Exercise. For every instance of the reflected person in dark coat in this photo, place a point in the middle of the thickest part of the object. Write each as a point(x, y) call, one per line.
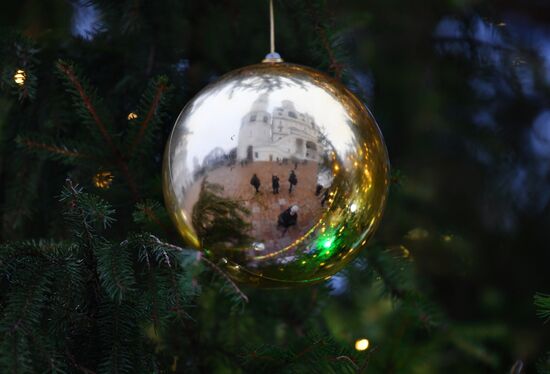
point(288, 218)
point(293, 180)
point(255, 181)
point(275, 184)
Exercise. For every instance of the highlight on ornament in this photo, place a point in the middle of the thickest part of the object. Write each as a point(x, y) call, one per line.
point(103, 179)
point(19, 77)
point(362, 344)
point(278, 172)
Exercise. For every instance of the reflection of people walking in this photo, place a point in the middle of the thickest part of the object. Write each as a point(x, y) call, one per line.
point(288, 218)
point(275, 184)
point(293, 180)
point(255, 181)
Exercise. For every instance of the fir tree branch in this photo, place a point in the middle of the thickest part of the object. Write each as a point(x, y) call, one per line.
point(76, 365)
point(87, 101)
point(74, 193)
point(30, 302)
point(61, 151)
point(160, 89)
point(542, 302)
point(151, 216)
point(320, 355)
point(70, 74)
point(212, 265)
point(224, 275)
point(334, 65)
point(350, 360)
point(399, 285)
point(85, 210)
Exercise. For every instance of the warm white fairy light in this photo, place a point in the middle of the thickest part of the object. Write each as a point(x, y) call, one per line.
point(362, 344)
point(19, 77)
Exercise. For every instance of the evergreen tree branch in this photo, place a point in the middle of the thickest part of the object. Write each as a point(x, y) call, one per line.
point(86, 210)
point(115, 271)
point(69, 72)
point(87, 214)
point(334, 65)
point(542, 302)
point(212, 265)
point(320, 355)
point(146, 212)
point(350, 360)
point(159, 92)
point(54, 149)
point(77, 365)
point(400, 285)
point(225, 276)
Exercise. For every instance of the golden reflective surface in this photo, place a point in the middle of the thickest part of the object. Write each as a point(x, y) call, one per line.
point(278, 173)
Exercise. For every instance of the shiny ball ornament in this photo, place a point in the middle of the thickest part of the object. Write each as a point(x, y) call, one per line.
point(278, 173)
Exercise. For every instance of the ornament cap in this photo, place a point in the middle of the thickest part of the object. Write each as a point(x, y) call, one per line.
point(273, 57)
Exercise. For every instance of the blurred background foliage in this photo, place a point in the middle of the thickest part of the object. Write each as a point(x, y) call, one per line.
point(461, 90)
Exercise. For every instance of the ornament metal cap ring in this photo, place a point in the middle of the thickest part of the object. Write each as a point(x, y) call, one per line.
point(272, 57)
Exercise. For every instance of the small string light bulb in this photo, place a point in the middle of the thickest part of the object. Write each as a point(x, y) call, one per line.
point(19, 77)
point(362, 344)
point(103, 179)
point(132, 116)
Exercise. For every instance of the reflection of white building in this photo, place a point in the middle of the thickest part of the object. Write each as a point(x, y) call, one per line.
point(285, 133)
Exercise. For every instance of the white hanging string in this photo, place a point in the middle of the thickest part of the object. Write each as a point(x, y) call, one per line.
point(272, 56)
point(272, 26)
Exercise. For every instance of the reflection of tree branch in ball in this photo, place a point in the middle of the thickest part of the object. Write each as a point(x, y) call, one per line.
point(220, 220)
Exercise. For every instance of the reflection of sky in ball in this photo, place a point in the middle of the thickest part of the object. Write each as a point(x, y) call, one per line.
point(217, 118)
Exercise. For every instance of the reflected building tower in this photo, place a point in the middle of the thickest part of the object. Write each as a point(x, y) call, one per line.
point(255, 131)
point(285, 134)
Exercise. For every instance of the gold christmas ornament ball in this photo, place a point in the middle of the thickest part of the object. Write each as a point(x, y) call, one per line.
point(278, 173)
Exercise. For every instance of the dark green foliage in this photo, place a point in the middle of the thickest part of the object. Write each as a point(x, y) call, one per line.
point(316, 354)
point(54, 149)
point(542, 302)
point(144, 131)
point(61, 300)
point(18, 57)
point(543, 366)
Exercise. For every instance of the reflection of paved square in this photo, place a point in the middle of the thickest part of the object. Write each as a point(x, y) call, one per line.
point(266, 206)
